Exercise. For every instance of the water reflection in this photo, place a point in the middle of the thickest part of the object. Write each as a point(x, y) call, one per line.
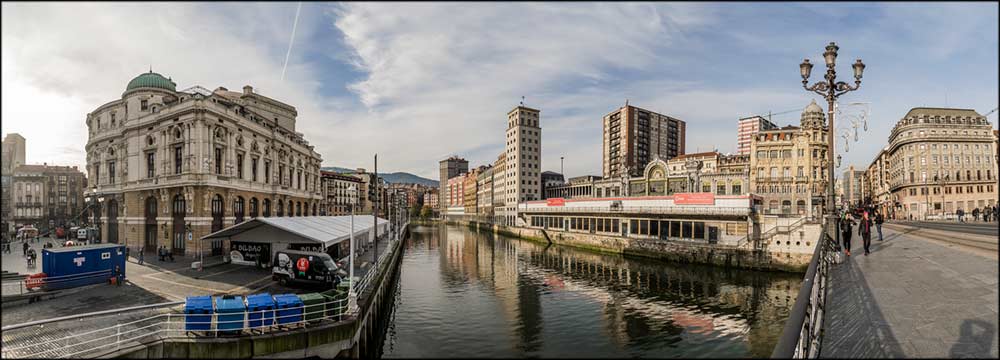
point(468, 294)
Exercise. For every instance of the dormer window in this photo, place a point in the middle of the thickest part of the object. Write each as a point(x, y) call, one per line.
point(112, 119)
point(144, 105)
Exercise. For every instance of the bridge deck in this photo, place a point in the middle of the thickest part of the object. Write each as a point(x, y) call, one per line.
point(913, 296)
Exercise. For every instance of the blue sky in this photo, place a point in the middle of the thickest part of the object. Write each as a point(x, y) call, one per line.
point(417, 82)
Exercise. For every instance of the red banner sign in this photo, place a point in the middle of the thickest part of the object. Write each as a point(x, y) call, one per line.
point(702, 198)
point(555, 202)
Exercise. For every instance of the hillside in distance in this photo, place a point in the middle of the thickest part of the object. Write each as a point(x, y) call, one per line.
point(394, 177)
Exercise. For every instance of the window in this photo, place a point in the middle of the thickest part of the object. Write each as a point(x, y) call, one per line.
point(144, 105)
point(177, 159)
point(253, 169)
point(150, 165)
point(267, 172)
point(111, 172)
point(218, 161)
point(239, 166)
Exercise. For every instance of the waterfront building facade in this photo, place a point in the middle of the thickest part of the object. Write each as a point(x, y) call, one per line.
point(788, 166)
point(449, 168)
point(746, 129)
point(523, 151)
point(431, 199)
point(484, 192)
point(470, 190)
point(173, 166)
point(338, 196)
point(634, 136)
point(500, 188)
point(941, 160)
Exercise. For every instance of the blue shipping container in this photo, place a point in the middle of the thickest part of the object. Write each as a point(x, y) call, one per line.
point(199, 313)
point(260, 310)
point(64, 267)
point(229, 312)
point(289, 308)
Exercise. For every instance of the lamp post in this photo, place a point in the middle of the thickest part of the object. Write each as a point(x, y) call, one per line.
point(830, 89)
point(351, 296)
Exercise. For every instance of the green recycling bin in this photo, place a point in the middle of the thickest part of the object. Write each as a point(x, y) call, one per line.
point(314, 306)
point(336, 303)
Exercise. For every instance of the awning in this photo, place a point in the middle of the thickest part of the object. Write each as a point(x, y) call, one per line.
point(326, 230)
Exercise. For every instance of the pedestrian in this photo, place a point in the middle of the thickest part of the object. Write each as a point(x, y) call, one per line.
point(865, 230)
point(960, 213)
point(975, 214)
point(118, 276)
point(845, 232)
point(25, 248)
point(878, 224)
point(141, 257)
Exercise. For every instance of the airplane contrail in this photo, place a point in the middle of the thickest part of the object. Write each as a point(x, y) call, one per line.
point(291, 40)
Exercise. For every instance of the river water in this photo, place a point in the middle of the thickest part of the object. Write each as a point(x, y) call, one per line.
point(463, 293)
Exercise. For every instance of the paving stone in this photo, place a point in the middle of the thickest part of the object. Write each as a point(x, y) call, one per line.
point(912, 298)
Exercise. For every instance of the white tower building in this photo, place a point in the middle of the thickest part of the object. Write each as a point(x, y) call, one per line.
point(524, 150)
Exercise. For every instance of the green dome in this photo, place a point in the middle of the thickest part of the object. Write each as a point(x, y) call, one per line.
point(151, 79)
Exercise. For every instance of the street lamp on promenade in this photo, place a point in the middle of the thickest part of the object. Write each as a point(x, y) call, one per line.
point(831, 89)
point(351, 295)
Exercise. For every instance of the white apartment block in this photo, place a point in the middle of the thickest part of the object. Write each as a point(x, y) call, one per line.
point(523, 152)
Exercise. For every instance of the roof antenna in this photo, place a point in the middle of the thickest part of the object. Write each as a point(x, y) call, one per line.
point(626, 102)
point(150, 68)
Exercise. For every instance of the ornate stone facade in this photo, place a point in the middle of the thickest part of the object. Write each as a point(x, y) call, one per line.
point(939, 160)
point(788, 166)
point(177, 165)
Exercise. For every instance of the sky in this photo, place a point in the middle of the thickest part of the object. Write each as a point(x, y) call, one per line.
point(418, 82)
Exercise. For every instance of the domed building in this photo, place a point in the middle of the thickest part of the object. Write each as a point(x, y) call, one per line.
point(171, 166)
point(788, 166)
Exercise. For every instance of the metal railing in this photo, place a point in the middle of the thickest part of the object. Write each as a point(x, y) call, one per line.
point(803, 331)
point(103, 341)
point(682, 210)
point(25, 286)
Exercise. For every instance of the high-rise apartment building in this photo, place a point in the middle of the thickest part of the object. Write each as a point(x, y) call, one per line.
point(450, 167)
point(523, 152)
point(634, 136)
point(747, 128)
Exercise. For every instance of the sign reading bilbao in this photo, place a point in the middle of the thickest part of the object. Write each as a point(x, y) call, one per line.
point(555, 202)
point(701, 198)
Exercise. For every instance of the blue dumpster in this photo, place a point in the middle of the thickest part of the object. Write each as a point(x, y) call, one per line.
point(260, 310)
point(289, 308)
point(199, 313)
point(229, 312)
point(74, 266)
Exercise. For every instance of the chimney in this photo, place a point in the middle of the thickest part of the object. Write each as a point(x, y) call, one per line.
point(247, 90)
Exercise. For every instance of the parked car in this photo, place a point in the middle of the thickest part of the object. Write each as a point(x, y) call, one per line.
point(305, 267)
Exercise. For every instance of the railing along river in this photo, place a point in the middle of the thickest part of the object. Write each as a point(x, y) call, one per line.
point(803, 331)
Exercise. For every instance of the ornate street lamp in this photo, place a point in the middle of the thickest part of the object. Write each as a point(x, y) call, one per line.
point(831, 89)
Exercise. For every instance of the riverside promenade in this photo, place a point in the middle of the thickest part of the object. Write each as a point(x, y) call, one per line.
point(922, 292)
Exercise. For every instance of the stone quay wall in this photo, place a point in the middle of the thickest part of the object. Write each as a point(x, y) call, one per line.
point(673, 251)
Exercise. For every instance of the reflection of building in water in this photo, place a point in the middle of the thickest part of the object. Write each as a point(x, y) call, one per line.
point(642, 300)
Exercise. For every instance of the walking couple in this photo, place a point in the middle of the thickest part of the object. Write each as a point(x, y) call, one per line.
point(864, 229)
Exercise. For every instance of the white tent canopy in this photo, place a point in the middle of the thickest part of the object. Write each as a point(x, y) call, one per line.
point(324, 230)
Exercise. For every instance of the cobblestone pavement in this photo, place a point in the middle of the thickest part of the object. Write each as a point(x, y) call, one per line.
point(911, 297)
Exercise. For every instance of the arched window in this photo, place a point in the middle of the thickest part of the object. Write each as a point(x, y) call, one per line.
point(253, 208)
point(267, 207)
point(772, 207)
point(218, 210)
point(298, 208)
point(737, 188)
point(786, 207)
point(150, 233)
point(314, 209)
point(179, 210)
point(281, 208)
point(113, 221)
point(238, 209)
